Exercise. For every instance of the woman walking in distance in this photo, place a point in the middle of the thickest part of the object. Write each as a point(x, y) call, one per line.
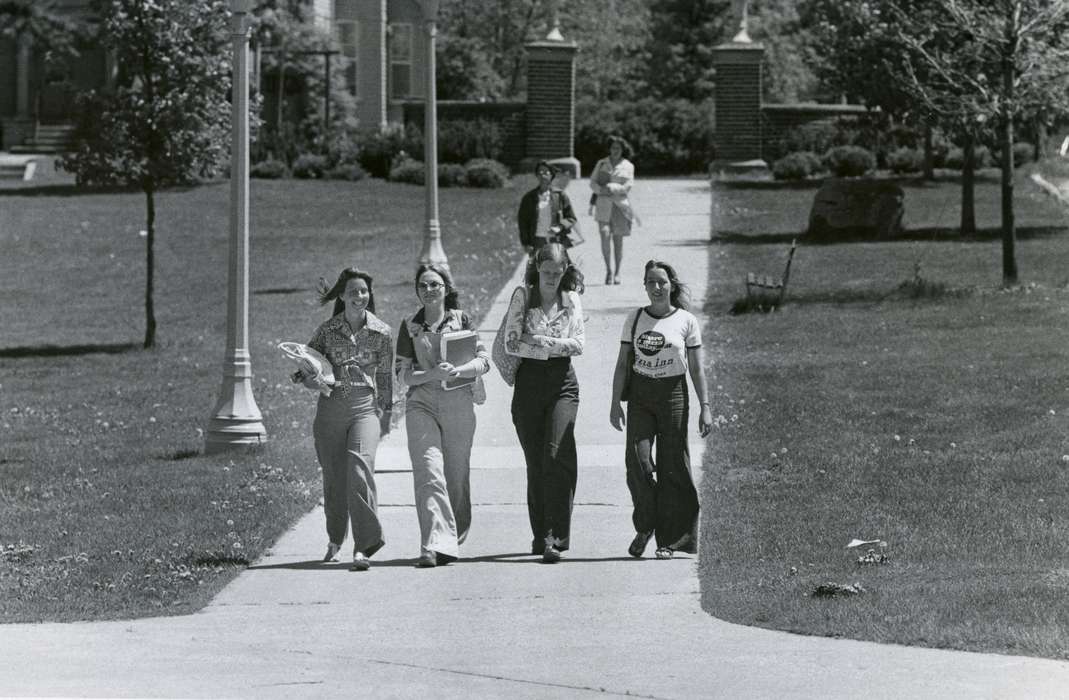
point(546, 330)
point(440, 422)
point(660, 345)
point(349, 423)
point(611, 181)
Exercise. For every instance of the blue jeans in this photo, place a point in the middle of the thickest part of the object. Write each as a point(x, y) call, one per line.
point(544, 404)
point(657, 419)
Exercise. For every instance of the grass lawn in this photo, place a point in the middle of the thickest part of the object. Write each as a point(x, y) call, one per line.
point(938, 423)
point(108, 509)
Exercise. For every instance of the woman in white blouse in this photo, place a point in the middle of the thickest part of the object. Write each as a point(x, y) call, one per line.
point(546, 331)
point(611, 181)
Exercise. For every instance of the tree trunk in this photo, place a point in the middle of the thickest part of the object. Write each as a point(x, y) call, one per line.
point(1009, 234)
point(929, 155)
point(968, 187)
point(1040, 144)
point(150, 266)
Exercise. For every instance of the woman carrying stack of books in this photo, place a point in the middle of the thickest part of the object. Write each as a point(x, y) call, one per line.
point(440, 359)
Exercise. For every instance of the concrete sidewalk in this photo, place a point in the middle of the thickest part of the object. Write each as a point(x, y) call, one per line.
point(500, 623)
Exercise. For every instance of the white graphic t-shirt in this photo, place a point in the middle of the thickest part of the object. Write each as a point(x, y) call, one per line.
point(661, 343)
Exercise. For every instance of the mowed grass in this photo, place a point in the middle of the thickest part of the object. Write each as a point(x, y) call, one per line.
point(108, 508)
point(938, 423)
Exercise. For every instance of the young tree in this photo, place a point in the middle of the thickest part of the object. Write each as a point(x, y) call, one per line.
point(993, 61)
point(166, 120)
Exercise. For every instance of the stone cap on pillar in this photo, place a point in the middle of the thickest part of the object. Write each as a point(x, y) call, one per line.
point(738, 52)
point(549, 50)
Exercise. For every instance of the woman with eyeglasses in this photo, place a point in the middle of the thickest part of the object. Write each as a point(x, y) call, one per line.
point(440, 422)
point(547, 331)
point(351, 420)
point(661, 344)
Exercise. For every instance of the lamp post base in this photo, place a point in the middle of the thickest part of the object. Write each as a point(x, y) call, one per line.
point(236, 421)
point(432, 252)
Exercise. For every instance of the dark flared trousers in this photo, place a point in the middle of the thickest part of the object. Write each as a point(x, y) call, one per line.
point(657, 419)
point(544, 404)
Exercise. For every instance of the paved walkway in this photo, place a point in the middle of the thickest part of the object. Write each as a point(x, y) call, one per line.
point(499, 623)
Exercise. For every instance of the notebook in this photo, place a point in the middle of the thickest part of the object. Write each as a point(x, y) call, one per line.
point(458, 347)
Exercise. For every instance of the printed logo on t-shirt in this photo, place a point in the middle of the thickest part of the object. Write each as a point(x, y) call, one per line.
point(650, 343)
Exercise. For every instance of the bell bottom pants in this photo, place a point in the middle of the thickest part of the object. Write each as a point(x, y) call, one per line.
point(544, 405)
point(441, 426)
point(346, 432)
point(657, 418)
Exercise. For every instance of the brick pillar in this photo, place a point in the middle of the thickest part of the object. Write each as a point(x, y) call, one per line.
point(738, 99)
point(551, 103)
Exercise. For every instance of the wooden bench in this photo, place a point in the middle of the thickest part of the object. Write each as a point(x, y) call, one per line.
point(765, 291)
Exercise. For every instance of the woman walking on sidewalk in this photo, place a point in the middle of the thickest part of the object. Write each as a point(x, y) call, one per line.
point(610, 182)
point(546, 330)
point(440, 422)
point(660, 345)
point(350, 421)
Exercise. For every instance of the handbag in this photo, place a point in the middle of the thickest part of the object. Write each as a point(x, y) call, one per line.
point(571, 237)
point(625, 393)
point(507, 364)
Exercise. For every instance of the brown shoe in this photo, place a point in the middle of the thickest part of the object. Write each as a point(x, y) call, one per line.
point(427, 560)
point(638, 545)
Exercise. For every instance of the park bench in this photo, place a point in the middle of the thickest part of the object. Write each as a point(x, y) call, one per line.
point(765, 291)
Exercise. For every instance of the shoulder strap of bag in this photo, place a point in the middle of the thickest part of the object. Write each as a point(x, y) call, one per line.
point(634, 325)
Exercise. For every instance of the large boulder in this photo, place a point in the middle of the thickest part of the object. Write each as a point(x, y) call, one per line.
point(857, 208)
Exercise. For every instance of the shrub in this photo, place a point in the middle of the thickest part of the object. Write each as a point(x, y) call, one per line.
point(905, 160)
point(956, 158)
point(346, 171)
point(269, 169)
point(343, 149)
point(1022, 154)
point(452, 175)
point(816, 137)
point(849, 161)
point(483, 172)
point(381, 149)
point(461, 140)
point(310, 166)
point(669, 136)
point(796, 166)
point(408, 170)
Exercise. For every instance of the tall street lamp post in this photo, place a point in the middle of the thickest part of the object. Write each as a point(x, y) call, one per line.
point(236, 420)
point(432, 251)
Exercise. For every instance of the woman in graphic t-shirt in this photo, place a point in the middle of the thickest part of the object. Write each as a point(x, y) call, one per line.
point(667, 344)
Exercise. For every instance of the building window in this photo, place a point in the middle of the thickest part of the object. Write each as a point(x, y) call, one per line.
point(347, 34)
point(400, 61)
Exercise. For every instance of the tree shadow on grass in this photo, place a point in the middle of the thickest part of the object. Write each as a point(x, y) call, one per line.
point(69, 350)
point(72, 190)
point(931, 234)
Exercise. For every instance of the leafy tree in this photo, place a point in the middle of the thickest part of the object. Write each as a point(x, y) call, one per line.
point(782, 29)
point(43, 22)
point(681, 58)
point(465, 70)
point(497, 30)
point(992, 61)
point(614, 39)
point(167, 119)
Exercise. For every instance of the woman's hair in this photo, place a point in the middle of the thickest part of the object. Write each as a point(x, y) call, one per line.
point(624, 145)
point(327, 293)
point(570, 281)
point(680, 294)
point(450, 291)
point(543, 164)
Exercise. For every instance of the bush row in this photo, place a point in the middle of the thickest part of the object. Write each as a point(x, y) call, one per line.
point(668, 136)
point(894, 146)
point(478, 172)
point(854, 161)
